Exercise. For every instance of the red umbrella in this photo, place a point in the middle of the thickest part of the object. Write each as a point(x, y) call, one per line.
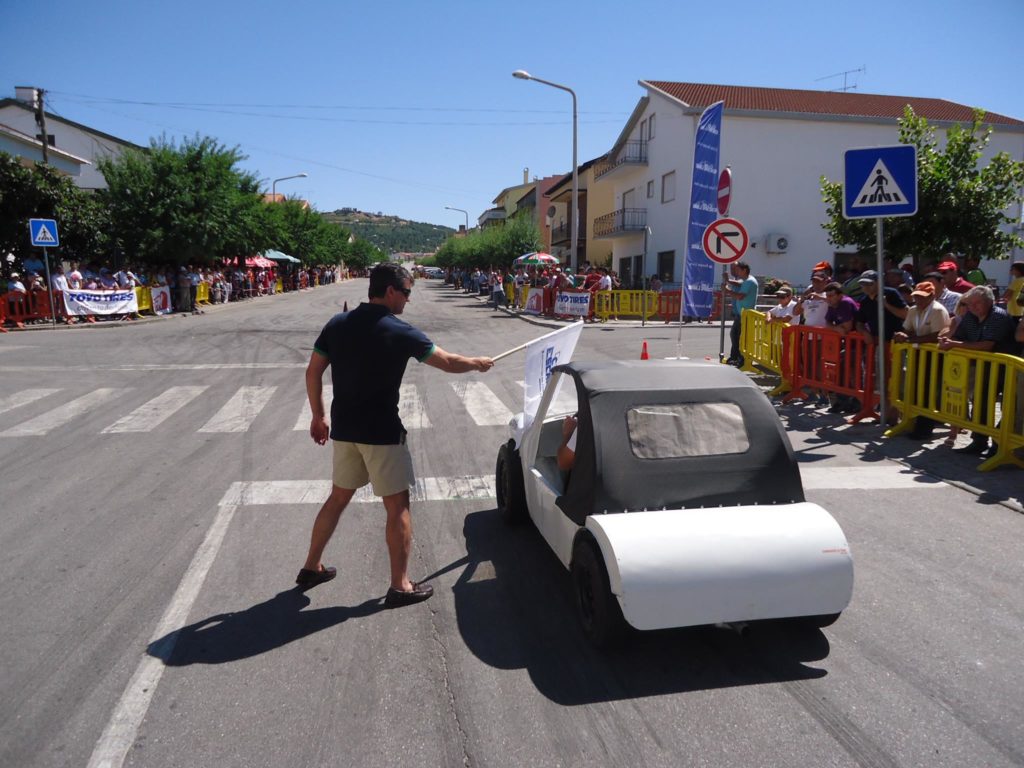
point(535, 259)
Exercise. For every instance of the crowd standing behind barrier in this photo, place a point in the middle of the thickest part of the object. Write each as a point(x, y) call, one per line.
point(162, 291)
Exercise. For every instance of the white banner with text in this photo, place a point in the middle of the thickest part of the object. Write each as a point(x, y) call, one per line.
point(574, 304)
point(82, 302)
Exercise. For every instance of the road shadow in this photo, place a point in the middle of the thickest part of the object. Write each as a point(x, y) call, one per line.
point(930, 458)
point(514, 610)
point(274, 623)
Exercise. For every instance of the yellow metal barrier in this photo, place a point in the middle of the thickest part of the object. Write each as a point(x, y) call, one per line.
point(625, 304)
point(510, 292)
point(280, 285)
point(962, 388)
point(203, 293)
point(761, 346)
point(145, 299)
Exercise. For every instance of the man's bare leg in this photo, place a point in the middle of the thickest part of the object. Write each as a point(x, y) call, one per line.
point(326, 521)
point(398, 534)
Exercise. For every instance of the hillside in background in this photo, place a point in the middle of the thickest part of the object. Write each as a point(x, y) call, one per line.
point(391, 233)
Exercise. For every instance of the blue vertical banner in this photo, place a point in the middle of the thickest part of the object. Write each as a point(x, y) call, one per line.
point(698, 269)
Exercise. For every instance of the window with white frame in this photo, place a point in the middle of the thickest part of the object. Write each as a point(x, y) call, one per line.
point(668, 187)
point(650, 189)
point(643, 130)
point(650, 127)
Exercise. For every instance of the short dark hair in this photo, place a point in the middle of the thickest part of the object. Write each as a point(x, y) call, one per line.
point(1018, 267)
point(387, 274)
point(833, 287)
point(744, 266)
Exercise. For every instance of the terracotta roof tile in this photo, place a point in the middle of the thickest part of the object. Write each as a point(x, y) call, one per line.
point(738, 97)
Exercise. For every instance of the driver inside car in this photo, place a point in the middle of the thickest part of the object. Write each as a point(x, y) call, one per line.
point(567, 450)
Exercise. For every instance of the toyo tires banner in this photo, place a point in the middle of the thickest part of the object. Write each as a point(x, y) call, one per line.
point(100, 302)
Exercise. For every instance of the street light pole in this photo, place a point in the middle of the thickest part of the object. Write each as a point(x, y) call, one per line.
point(273, 184)
point(575, 217)
point(466, 213)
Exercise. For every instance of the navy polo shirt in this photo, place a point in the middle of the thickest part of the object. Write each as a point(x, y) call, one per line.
point(868, 313)
point(368, 349)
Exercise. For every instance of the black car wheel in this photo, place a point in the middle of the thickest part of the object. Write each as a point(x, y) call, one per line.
point(508, 481)
point(598, 610)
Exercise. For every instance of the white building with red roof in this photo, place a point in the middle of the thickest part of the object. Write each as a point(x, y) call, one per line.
point(779, 143)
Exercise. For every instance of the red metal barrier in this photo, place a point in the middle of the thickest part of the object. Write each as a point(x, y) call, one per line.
point(823, 358)
point(3, 312)
point(17, 308)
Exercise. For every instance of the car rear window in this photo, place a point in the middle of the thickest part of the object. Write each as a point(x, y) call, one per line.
point(686, 429)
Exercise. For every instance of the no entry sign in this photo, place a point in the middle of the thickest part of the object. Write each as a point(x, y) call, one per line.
point(724, 191)
point(725, 241)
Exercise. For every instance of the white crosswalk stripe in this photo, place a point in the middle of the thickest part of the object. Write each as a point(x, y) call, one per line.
point(152, 414)
point(238, 413)
point(258, 492)
point(24, 397)
point(410, 408)
point(58, 417)
point(306, 414)
point(484, 407)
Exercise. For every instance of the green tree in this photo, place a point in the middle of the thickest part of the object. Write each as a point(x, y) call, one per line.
point(961, 206)
point(185, 205)
point(42, 192)
point(494, 246)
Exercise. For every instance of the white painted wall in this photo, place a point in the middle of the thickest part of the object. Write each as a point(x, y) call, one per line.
point(776, 164)
point(70, 139)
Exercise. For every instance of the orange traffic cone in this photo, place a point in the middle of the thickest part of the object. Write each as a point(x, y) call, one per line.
point(345, 308)
point(643, 352)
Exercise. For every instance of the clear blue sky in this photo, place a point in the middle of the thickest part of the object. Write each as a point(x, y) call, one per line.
point(406, 107)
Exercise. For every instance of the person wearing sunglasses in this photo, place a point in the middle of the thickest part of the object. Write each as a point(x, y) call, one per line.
point(367, 350)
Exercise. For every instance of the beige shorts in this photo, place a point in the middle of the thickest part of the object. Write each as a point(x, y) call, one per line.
point(387, 467)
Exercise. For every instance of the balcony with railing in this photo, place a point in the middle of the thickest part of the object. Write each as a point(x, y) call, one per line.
point(632, 153)
point(624, 221)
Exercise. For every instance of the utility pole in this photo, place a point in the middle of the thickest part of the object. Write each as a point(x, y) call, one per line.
point(41, 120)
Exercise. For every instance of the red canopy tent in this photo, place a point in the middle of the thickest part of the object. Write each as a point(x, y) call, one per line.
point(259, 261)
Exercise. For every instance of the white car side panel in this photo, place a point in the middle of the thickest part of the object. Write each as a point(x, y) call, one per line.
point(704, 566)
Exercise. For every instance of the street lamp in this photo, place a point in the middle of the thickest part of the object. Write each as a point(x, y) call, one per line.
point(449, 208)
point(522, 74)
point(273, 184)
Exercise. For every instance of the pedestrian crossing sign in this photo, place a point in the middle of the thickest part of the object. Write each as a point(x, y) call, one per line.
point(44, 233)
point(880, 182)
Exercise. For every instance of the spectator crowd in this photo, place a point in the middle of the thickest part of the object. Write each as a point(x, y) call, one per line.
point(223, 283)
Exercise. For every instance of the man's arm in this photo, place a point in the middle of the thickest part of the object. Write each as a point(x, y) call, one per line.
point(449, 362)
point(319, 429)
point(567, 456)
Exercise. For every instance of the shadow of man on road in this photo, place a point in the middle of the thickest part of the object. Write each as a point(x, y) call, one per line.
point(263, 627)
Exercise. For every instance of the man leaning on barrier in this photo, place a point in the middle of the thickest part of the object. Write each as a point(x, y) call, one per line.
point(984, 328)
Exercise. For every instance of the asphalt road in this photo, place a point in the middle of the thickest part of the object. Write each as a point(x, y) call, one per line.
point(149, 617)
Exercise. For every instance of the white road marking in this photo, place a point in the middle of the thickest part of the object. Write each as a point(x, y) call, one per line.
point(123, 727)
point(410, 408)
point(24, 397)
point(61, 415)
point(152, 414)
point(483, 405)
point(877, 478)
point(261, 492)
point(240, 411)
point(306, 414)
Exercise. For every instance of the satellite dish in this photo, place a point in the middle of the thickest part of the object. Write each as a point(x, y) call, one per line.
point(551, 211)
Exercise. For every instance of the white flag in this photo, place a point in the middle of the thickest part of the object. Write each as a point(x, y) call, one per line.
point(542, 355)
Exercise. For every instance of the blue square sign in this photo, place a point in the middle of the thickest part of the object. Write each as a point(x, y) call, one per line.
point(880, 181)
point(44, 233)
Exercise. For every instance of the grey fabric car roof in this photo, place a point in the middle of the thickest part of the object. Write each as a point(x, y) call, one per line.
point(608, 478)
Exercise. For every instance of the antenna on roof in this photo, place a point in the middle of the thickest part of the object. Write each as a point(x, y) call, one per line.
point(845, 74)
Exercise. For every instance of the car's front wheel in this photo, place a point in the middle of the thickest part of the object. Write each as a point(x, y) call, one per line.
point(508, 482)
point(598, 610)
